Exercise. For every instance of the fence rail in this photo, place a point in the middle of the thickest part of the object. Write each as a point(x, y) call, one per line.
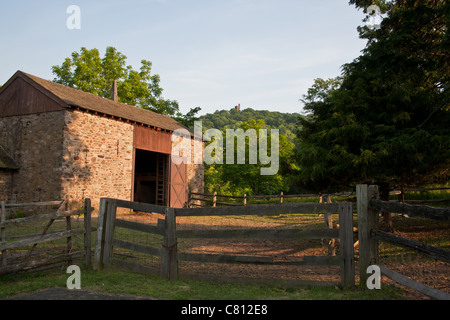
point(442, 214)
point(212, 198)
point(171, 255)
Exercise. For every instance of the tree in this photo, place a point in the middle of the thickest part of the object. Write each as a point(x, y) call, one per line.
point(237, 179)
point(387, 120)
point(87, 71)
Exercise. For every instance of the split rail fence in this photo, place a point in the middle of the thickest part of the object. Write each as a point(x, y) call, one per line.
point(196, 199)
point(42, 249)
point(170, 254)
point(200, 199)
point(369, 207)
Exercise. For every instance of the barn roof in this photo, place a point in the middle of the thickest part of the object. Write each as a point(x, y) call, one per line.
point(6, 162)
point(76, 98)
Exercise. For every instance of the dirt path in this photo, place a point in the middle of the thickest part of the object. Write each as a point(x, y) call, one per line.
point(66, 294)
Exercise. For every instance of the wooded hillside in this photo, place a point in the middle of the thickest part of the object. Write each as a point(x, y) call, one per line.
point(231, 119)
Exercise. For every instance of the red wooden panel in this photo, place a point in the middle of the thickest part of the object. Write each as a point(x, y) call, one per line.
point(178, 185)
point(21, 98)
point(151, 140)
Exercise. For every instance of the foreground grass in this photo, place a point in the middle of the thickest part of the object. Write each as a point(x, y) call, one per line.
point(127, 283)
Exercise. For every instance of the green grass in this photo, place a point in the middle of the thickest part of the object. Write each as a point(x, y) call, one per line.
point(128, 283)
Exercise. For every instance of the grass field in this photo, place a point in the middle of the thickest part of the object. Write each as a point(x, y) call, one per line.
point(121, 282)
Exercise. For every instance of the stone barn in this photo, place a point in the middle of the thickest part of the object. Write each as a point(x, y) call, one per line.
point(57, 142)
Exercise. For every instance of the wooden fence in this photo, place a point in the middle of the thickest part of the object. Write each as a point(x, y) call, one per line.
point(369, 206)
point(170, 254)
point(196, 199)
point(216, 199)
point(29, 258)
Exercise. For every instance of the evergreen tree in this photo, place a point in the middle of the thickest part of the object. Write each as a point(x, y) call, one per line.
point(386, 120)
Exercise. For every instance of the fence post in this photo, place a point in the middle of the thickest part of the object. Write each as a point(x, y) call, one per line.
point(346, 243)
point(65, 207)
point(3, 231)
point(214, 199)
point(169, 262)
point(88, 229)
point(100, 240)
point(245, 199)
point(367, 220)
point(109, 231)
point(281, 197)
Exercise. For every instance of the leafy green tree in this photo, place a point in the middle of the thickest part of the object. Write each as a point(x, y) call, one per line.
point(385, 121)
point(87, 71)
point(237, 179)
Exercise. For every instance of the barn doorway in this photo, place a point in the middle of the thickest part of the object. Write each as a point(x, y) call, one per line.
point(151, 177)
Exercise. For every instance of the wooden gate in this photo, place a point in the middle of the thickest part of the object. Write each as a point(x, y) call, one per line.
point(171, 252)
point(24, 250)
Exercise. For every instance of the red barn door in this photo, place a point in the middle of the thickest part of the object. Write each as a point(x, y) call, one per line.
point(178, 185)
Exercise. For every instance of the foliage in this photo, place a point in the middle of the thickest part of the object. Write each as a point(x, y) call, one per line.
point(239, 179)
point(385, 120)
point(87, 71)
point(222, 119)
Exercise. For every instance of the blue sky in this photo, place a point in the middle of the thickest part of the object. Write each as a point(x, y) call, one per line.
point(215, 54)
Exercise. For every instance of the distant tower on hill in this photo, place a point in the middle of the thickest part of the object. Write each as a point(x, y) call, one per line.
point(238, 108)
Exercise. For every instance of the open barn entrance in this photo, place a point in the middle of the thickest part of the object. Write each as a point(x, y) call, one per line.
point(151, 177)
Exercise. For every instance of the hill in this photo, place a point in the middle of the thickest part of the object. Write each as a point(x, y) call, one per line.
point(231, 119)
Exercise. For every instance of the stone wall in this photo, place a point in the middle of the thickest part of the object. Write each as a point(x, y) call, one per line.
point(35, 143)
point(98, 158)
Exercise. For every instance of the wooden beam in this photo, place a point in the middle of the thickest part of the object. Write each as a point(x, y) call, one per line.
point(100, 240)
point(88, 228)
point(268, 209)
point(260, 234)
point(139, 227)
point(40, 217)
point(109, 232)
point(430, 251)
point(367, 220)
point(346, 244)
point(169, 262)
point(29, 204)
point(27, 265)
point(143, 207)
point(137, 247)
point(223, 258)
point(442, 214)
point(417, 286)
point(41, 239)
